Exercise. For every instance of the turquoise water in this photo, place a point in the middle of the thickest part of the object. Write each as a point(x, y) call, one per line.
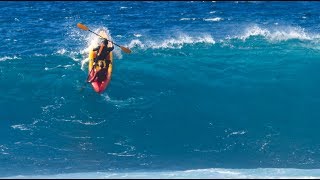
point(208, 87)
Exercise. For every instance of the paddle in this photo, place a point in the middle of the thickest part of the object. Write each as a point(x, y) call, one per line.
point(83, 27)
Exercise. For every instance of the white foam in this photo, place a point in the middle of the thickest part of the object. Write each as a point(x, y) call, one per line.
point(173, 43)
point(278, 33)
point(236, 133)
point(261, 173)
point(21, 127)
point(88, 123)
point(61, 51)
point(123, 154)
point(136, 42)
point(119, 103)
point(8, 58)
point(40, 55)
point(187, 19)
point(59, 66)
point(216, 19)
point(3, 150)
point(137, 35)
point(123, 7)
point(46, 109)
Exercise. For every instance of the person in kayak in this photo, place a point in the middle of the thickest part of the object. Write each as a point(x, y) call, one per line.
point(100, 75)
point(102, 54)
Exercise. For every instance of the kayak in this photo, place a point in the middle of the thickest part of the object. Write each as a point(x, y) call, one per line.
point(99, 87)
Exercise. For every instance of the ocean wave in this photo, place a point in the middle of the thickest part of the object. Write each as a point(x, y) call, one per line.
point(172, 43)
point(272, 34)
point(278, 33)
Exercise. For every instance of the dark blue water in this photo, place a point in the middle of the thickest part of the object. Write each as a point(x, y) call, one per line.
point(228, 85)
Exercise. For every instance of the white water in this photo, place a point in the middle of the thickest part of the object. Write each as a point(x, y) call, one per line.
point(261, 173)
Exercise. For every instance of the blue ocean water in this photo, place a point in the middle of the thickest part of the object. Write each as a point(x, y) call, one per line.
point(211, 89)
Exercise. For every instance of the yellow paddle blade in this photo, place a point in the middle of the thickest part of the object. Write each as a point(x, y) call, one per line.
point(125, 49)
point(83, 27)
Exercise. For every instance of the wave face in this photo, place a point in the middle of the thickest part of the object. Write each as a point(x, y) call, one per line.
point(209, 87)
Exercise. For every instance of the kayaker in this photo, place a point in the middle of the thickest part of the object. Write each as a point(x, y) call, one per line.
point(102, 52)
point(100, 75)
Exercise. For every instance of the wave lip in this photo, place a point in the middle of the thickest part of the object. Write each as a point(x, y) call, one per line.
point(278, 34)
point(272, 34)
point(172, 43)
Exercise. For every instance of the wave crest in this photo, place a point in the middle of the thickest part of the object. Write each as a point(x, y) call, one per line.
point(8, 58)
point(172, 43)
point(278, 34)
